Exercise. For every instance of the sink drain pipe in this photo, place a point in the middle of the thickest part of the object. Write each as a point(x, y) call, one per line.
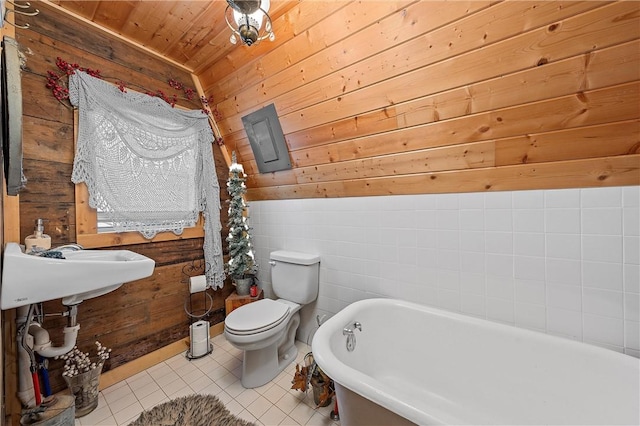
point(28, 395)
point(42, 342)
point(33, 338)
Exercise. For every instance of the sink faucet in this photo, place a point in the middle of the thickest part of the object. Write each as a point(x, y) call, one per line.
point(57, 251)
point(70, 247)
point(348, 331)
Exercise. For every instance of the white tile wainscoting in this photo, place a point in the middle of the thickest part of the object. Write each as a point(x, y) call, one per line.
point(564, 262)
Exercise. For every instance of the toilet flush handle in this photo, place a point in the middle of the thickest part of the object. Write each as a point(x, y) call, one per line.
point(272, 262)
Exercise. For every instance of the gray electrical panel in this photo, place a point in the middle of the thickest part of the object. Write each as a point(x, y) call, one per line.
point(267, 140)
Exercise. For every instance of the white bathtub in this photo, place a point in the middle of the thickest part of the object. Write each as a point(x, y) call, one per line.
point(415, 364)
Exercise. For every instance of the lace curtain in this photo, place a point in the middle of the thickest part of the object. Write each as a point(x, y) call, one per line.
point(149, 167)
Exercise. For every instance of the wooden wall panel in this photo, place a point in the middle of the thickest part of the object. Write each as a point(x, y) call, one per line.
point(597, 69)
point(420, 67)
point(141, 316)
point(71, 33)
point(448, 96)
point(613, 171)
point(608, 140)
point(590, 108)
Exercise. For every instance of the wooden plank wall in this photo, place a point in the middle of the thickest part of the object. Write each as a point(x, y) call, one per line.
point(141, 316)
point(411, 97)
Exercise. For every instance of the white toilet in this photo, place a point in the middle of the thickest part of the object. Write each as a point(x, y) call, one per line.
point(266, 330)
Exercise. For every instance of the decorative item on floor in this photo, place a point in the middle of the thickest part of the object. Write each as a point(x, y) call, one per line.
point(60, 411)
point(242, 265)
point(192, 410)
point(311, 374)
point(82, 375)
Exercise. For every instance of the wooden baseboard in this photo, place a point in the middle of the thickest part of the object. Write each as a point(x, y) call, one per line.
point(134, 367)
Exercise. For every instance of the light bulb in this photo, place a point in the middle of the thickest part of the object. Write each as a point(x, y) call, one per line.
point(253, 19)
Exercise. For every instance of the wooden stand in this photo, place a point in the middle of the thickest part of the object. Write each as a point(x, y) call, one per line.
point(234, 301)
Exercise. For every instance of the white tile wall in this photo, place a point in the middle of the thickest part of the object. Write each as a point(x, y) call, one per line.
point(565, 262)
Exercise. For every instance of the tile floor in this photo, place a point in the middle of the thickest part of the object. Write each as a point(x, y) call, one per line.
point(217, 374)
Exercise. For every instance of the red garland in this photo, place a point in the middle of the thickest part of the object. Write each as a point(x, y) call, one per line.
point(61, 92)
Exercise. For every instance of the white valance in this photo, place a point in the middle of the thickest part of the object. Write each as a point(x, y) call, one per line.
point(149, 167)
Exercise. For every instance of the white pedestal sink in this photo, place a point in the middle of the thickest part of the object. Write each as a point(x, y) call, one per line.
point(81, 275)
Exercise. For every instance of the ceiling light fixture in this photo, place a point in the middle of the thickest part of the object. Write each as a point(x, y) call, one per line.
point(248, 17)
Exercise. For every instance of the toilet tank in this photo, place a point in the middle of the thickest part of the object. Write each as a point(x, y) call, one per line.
point(295, 276)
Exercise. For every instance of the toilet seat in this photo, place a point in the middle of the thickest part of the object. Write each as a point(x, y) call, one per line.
point(256, 317)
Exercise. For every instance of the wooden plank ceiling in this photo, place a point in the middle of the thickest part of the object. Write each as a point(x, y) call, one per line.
point(191, 33)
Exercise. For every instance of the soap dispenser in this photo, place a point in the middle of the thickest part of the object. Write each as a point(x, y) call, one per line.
point(38, 240)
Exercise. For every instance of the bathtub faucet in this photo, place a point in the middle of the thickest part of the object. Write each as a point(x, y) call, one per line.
point(351, 338)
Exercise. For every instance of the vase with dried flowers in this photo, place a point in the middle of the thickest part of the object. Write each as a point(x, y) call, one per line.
point(311, 375)
point(82, 374)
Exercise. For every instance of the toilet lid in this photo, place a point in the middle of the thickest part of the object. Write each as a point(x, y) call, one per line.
point(257, 316)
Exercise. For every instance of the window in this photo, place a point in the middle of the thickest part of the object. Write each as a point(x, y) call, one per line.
point(93, 231)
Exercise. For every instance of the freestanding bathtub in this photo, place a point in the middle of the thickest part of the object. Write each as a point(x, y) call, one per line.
point(416, 364)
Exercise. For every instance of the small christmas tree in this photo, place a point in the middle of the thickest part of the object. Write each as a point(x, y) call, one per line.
point(241, 258)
